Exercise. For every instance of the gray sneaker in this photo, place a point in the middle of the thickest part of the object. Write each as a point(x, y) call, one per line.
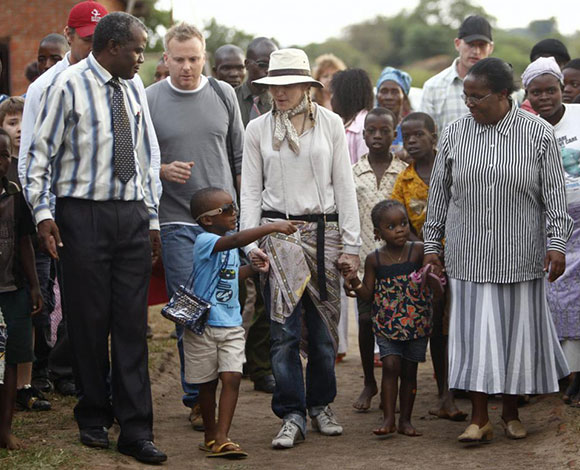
point(325, 423)
point(288, 435)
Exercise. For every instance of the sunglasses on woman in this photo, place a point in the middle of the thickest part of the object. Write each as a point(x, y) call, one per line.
point(227, 209)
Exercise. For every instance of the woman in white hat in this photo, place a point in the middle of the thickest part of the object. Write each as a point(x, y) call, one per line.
point(296, 166)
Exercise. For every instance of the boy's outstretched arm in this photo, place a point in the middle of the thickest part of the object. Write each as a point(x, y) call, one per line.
point(245, 237)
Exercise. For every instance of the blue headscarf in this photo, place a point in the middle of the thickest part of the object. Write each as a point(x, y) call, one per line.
point(403, 79)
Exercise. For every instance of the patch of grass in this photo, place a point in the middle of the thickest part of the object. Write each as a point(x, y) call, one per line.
point(38, 458)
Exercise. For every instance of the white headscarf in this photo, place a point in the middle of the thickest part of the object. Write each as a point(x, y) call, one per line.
point(541, 66)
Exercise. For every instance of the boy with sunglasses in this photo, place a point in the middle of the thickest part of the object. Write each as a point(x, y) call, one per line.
point(219, 352)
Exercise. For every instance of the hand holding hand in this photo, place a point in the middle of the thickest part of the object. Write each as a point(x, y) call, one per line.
point(348, 289)
point(555, 263)
point(260, 261)
point(435, 262)
point(49, 237)
point(176, 172)
point(348, 265)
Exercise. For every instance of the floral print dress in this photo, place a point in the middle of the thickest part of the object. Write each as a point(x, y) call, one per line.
point(401, 309)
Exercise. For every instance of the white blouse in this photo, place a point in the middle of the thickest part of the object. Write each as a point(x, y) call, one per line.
point(317, 181)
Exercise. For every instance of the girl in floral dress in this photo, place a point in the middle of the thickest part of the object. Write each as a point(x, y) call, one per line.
point(393, 281)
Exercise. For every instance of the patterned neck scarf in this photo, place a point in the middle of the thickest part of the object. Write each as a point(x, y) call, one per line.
point(283, 127)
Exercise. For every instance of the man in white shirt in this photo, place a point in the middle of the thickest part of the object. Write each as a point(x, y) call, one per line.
point(442, 93)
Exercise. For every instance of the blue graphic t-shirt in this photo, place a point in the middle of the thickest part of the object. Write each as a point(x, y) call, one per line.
point(216, 274)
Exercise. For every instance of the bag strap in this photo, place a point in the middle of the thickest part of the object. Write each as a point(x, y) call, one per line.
point(190, 280)
point(229, 145)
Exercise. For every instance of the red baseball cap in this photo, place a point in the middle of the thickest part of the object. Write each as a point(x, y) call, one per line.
point(84, 17)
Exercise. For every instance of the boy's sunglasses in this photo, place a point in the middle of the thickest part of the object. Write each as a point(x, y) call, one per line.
point(228, 209)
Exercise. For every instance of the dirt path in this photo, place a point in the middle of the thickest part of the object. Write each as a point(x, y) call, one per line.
point(553, 442)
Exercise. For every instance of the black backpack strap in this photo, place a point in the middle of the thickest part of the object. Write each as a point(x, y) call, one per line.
point(230, 148)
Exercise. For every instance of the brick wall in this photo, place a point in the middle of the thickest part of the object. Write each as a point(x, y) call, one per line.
point(25, 22)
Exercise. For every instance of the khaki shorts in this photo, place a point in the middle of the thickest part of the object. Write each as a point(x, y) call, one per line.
point(217, 350)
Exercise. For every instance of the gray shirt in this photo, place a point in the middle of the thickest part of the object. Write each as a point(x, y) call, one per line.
point(192, 126)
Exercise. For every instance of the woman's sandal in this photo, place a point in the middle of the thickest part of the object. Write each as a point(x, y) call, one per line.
point(235, 452)
point(206, 446)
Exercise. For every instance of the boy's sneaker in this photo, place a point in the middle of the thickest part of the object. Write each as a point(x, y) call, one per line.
point(325, 423)
point(288, 435)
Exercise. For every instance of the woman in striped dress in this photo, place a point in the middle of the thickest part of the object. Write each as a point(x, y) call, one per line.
point(497, 194)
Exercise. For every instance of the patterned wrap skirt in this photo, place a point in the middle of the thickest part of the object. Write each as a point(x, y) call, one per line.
point(502, 339)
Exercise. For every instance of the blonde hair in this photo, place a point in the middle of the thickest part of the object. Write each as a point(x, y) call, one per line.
point(327, 61)
point(321, 64)
point(11, 106)
point(182, 32)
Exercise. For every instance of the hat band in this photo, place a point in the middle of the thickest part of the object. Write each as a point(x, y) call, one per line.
point(282, 72)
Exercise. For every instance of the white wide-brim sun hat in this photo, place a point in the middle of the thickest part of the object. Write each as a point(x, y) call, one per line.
point(288, 67)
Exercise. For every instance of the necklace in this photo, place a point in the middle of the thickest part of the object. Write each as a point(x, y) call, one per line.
point(398, 260)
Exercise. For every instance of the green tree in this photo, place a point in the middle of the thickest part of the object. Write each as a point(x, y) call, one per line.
point(217, 35)
point(344, 50)
point(156, 20)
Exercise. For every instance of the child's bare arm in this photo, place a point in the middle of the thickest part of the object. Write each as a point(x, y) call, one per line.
point(245, 237)
point(29, 268)
point(245, 272)
point(417, 254)
point(365, 289)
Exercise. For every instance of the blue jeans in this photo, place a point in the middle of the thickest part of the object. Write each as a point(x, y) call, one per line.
point(177, 250)
point(291, 399)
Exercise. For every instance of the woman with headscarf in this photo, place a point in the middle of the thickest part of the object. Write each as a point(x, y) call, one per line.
point(392, 90)
point(496, 194)
point(296, 166)
point(544, 84)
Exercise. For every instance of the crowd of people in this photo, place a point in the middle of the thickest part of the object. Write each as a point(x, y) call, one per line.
point(281, 191)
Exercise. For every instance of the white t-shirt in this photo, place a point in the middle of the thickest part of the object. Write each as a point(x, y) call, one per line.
point(568, 137)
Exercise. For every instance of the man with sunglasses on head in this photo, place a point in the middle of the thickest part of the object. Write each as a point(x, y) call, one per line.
point(254, 99)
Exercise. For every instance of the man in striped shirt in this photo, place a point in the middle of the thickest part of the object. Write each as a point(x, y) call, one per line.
point(442, 93)
point(91, 149)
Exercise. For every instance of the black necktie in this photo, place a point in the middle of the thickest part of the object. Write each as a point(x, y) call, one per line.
point(123, 142)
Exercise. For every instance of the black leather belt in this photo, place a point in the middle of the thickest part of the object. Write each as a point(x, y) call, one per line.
point(321, 220)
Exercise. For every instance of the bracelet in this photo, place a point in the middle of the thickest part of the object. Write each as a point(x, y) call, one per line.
point(359, 287)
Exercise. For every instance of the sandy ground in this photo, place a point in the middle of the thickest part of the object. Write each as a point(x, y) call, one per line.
point(553, 442)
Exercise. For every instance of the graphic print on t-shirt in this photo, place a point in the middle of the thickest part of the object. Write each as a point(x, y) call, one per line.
point(224, 291)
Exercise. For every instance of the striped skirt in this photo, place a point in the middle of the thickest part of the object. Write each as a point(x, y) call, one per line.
point(502, 339)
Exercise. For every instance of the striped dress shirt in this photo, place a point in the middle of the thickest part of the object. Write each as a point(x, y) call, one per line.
point(71, 153)
point(496, 193)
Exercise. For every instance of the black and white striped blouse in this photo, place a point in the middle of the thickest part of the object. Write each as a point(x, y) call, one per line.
point(496, 193)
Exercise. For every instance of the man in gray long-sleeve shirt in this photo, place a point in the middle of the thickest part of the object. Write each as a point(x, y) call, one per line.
point(192, 122)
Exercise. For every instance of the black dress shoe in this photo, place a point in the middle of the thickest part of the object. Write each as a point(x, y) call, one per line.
point(42, 383)
point(142, 450)
point(265, 384)
point(95, 437)
point(66, 387)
